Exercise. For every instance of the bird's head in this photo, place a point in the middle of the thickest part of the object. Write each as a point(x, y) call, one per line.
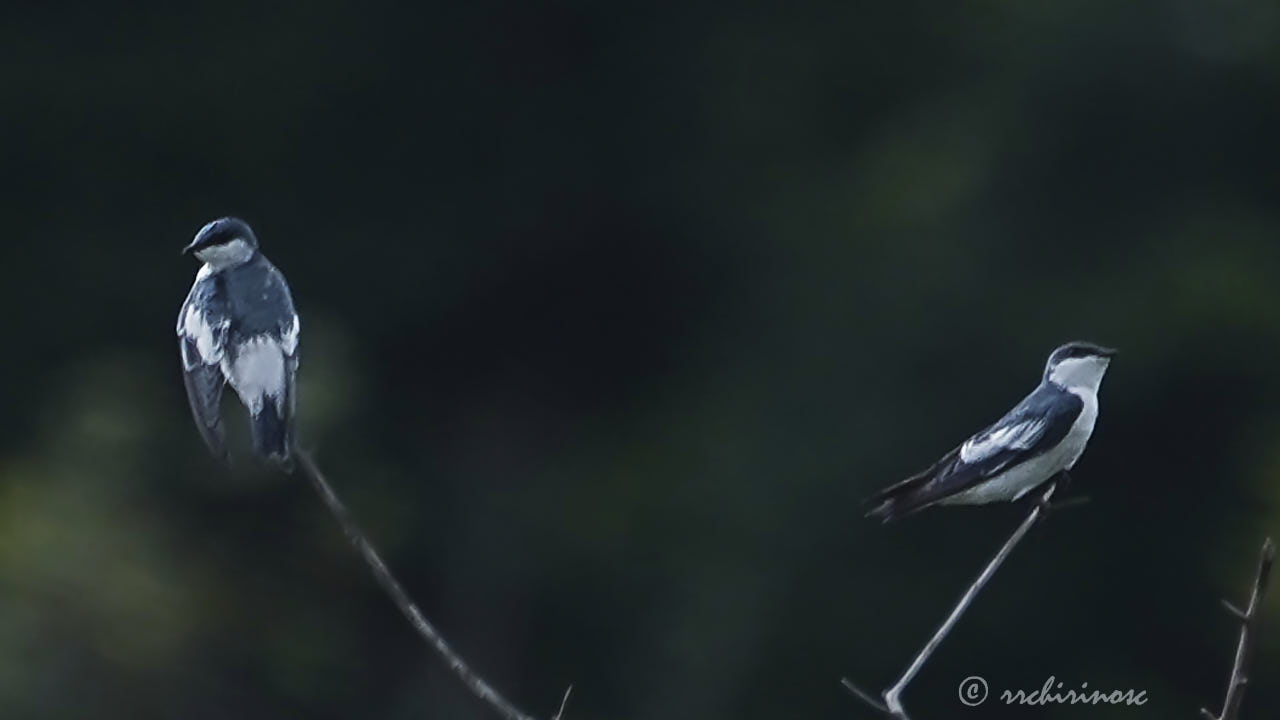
point(1078, 364)
point(223, 243)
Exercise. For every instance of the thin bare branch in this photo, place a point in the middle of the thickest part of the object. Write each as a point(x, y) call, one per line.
point(1249, 622)
point(892, 695)
point(474, 682)
point(564, 701)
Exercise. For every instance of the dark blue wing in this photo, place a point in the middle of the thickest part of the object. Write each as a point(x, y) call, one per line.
point(1033, 426)
point(202, 333)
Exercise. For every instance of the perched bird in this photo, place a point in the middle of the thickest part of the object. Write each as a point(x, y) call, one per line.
point(238, 326)
point(1041, 438)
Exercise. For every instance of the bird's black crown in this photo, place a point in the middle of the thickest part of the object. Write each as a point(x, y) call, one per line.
point(222, 230)
point(1079, 349)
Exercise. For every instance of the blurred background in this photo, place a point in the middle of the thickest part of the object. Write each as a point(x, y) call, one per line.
point(612, 316)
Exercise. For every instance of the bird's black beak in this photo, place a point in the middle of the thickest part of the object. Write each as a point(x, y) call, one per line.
point(189, 249)
point(1108, 352)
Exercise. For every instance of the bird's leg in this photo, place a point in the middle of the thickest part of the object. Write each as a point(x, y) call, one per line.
point(1063, 481)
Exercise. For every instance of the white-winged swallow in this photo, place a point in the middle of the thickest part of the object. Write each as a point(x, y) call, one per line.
point(238, 326)
point(1040, 439)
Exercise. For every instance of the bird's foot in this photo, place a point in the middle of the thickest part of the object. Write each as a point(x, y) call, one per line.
point(1052, 506)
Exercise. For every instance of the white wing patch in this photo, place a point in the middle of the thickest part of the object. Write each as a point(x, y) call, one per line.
point(258, 372)
point(1018, 436)
point(289, 339)
point(196, 326)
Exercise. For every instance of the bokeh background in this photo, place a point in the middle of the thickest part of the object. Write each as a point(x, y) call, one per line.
point(612, 316)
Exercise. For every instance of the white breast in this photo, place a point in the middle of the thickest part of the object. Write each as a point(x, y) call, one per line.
point(1073, 445)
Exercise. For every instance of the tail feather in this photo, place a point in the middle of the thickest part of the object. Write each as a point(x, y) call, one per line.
point(273, 435)
point(892, 507)
point(900, 499)
point(915, 493)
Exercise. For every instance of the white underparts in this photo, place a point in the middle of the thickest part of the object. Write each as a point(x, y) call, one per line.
point(1081, 372)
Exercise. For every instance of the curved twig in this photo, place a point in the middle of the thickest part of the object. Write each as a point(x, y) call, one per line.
point(1248, 630)
point(473, 681)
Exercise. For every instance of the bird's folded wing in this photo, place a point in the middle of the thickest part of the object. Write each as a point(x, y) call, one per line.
point(1035, 425)
point(204, 391)
point(201, 342)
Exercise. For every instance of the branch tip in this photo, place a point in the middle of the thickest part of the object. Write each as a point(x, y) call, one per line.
point(1235, 612)
point(564, 701)
point(1248, 630)
point(866, 697)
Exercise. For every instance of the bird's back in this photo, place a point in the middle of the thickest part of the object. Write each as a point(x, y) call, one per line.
point(258, 298)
